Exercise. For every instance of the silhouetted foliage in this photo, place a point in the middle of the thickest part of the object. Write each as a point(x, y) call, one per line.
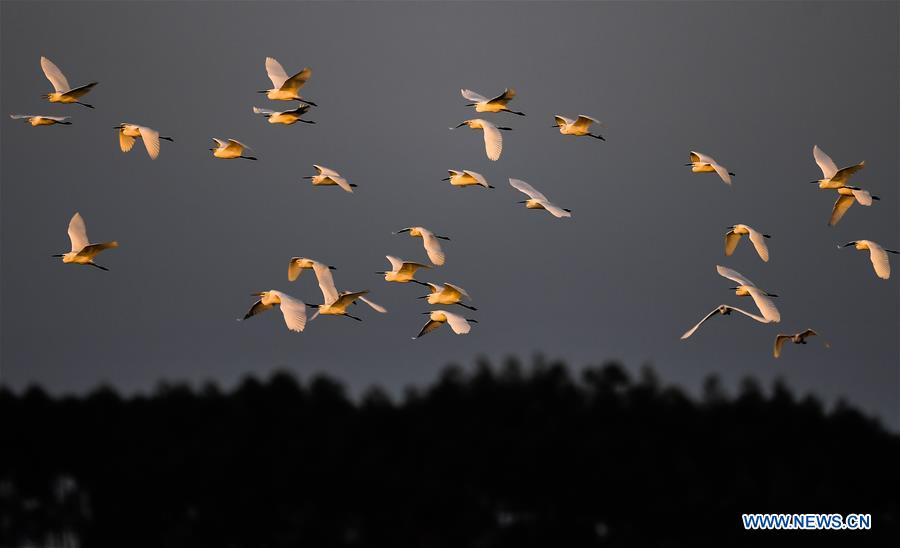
point(492, 457)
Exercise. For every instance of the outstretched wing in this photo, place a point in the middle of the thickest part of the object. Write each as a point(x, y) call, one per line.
point(264, 111)
point(765, 304)
point(151, 141)
point(326, 171)
point(375, 306)
point(863, 197)
point(524, 187)
point(276, 73)
point(457, 323)
point(691, 331)
point(455, 290)
point(826, 164)
point(78, 232)
point(759, 242)
point(562, 120)
point(779, 344)
point(341, 182)
point(81, 90)
point(734, 275)
point(396, 264)
point(504, 97)
point(257, 308)
point(295, 82)
point(880, 261)
point(583, 122)
point(555, 210)
point(433, 248)
point(428, 328)
point(56, 77)
point(294, 270)
point(326, 282)
point(844, 174)
point(731, 242)
point(293, 310)
point(472, 96)
point(236, 146)
point(125, 142)
point(841, 205)
point(722, 172)
point(477, 176)
point(493, 140)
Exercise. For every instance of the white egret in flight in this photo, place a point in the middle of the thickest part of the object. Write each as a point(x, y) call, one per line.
point(578, 127)
point(336, 304)
point(402, 271)
point(747, 288)
point(847, 195)
point(466, 178)
point(796, 338)
point(83, 252)
point(757, 238)
point(430, 241)
point(293, 309)
point(493, 139)
point(329, 177)
point(701, 163)
point(41, 120)
point(437, 318)
point(536, 200)
point(230, 149)
point(832, 177)
point(877, 254)
point(447, 294)
point(64, 93)
point(285, 88)
point(497, 104)
point(724, 310)
point(286, 117)
point(129, 132)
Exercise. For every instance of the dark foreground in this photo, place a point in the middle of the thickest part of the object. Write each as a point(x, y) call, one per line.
point(491, 458)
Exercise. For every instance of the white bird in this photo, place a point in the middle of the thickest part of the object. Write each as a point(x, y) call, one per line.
point(757, 238)
point(129, 132)
point(402, 271)
point(796, 338)
point(747, 288)
point(536, 200)
point(230, 149)
point(466, 178)
point(285, 88)
point(578, 127)
point(41, 120)
point(832, 177)
point(437, 318)
point(447, 294)
point(83, 252)
point(497, 104)
point(877, 254)
point(430, 241)
point(286, 117)
point(493, 139)
point(701, 163)
point(64, 93)
point(293, 309)
point(336, 304)
point(724, 310)
point(846, 196)
point(329, 177)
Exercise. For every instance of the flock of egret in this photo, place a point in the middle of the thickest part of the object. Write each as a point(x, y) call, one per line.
point(337, 303)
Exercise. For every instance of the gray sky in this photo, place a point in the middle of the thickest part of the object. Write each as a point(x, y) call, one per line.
point(753, 84)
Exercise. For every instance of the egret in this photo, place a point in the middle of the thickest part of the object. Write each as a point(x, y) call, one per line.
point(758, 239)
point(230, 149)
point(286, 117)
point(430, 241)
point(536, 200)
point(846, 196)
point(329, 177)
point(877, 254)
point(402, 271)
point(83, 252)
point(796, 338)
point(578, 127)
point(284, 88)
point(293, 309)
point(724, 310)
point(447, 294)
point(497, 104)
point(336, 304)
point(129, 132)
point(64, 93)
point(701, 163)
point(747, 288)
point(41, 120)
point(466, 178)
point(493, 139)
point(832, 177)
point(437, 318)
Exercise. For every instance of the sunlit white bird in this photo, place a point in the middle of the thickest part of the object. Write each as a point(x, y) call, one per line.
point(329, 177)
point(877, 254)
point(129, 132)
point(497, 104)
point(536, 200)
point(402, 271)
point(578, 127)
point(493, 139)
point(701, 163)
point(285, 88)
point(432, 245)
point(757, 238)
point(724, 310)
point(747, 288)
point(41, 120)
point(293, 309)
point(796, 338)
point(286, 117)
point(466, 178)
point(847, 195)
point(83, 252)
point(447, 294)
point(832, 177)
point(437, 318)
point(230, 149)
point(64, 93)
point(336, 304)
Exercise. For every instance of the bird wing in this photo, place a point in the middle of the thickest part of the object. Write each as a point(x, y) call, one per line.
point(257, 110)
point(702, 158)
point(257, 308)
point(731, 242)
point(554, 209)
point(346, 298)
point(472, 96)
point(56, 118)
point(56, 77)
point(81, 90)
point(433, 248)
point(880, 261)
point(583, 122)
point(430, 326)
point(562, 120)
point(219, 142)
point(92, 249)
point(293, 310)
point(151, 141)
point(733, 275)
point(779, 344)
point(826, 164)
point(844, 173)
point(326, 282)
point(396, 264)
point(691, 331)
point(125, 142)
point(78, 232)
point(759, 242)
point(863, 197)
point(296, 81)
point(457, 323)
point(276, 72)
point(375, 306)
point(477, 176)
point(524, 187)
point(748, 314)
point(456, 291)
point(411, 267)
point(235, 145)
point(765, 304)
point(723, 173)
point(493, 140)
point(841, 205)
point(504, 97)
point(808, 333)
point(22, 116)
point(299, 111)
point(341, 182)
point(326, 171)
point(294, 270)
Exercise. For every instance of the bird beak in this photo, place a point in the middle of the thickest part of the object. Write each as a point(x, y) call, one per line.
point(446, 179)
point(814, 182)
point(308, 177)
point(460, 125)
point(56, 255)
point(426, 312)
point(522, 202)
point(848, 244)
point(402, 231)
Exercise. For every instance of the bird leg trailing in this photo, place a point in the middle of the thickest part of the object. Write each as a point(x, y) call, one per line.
point(505, 128)
point(602, 138)
point(171, 140)
point(98, 266)
point(462, 305)
point(354, 317)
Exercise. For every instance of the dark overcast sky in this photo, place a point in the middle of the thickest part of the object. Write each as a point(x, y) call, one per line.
point(753, 84)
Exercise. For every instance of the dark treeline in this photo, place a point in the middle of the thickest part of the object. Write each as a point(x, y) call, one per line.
point(492, 457)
